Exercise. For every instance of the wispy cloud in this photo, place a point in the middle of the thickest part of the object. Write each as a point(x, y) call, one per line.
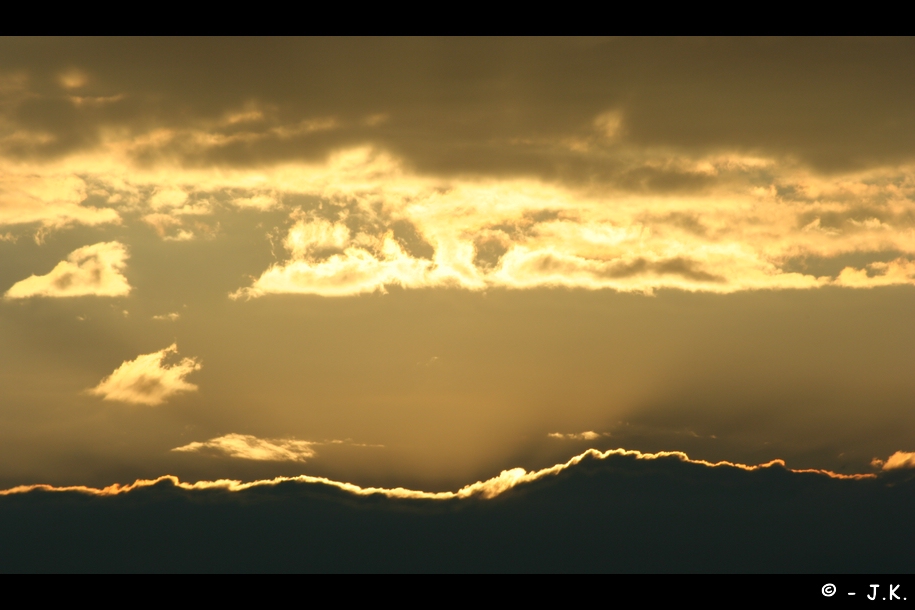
point(92, 270)
point(523, 233)
point(147, 379)
point(588, 435)
point(52, 199)
point(249, 447)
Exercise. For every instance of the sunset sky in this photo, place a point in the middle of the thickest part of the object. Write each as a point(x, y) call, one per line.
point(418, 263)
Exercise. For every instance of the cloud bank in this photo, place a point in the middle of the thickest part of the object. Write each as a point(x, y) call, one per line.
point(380, 226)
point(619, 511)
point(488, 489)
point(609, 186)
point(95, 270)
point(148, 380)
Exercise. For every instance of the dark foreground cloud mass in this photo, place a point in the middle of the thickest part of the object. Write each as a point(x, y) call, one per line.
point(618, 511)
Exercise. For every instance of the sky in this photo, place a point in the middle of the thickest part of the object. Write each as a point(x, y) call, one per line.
point(416, 263)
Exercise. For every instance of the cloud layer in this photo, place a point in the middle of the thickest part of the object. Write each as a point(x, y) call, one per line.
point(95, 270)
point(616, 511)
point(533, 170)
point(747, 231)
point(373, 223)
point(488, 489)
point(148, 380)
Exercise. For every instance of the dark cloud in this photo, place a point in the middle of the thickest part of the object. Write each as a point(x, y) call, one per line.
point(484, 105)
point(618, 514)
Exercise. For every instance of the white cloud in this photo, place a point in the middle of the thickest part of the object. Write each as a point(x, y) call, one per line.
point(148, 380)
point(249, 447)
point(91, 270)
point(171, 317)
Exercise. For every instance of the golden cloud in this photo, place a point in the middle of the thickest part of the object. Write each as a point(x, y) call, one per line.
point(51, 199)
point(247, 447)
point(752, 227)
point(897, 461)
point(94, 270)
point(588, 435)
point(147, 380)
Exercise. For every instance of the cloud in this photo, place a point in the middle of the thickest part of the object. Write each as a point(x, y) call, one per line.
point(51, 198)
point(588, 435)
point(488, 489)
point(247, 447)
point(641, 210)
point(897, 461)
point(147, 380)
point(91, 270)
point(525, 233)
point(609, 123)
point(896, 272)
point(613, 511)
point(375, 223)
point(171, 317)
point(776, 96)
point(356, 270)
point(258, 202)
point(173, 215)
point(168, 198)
